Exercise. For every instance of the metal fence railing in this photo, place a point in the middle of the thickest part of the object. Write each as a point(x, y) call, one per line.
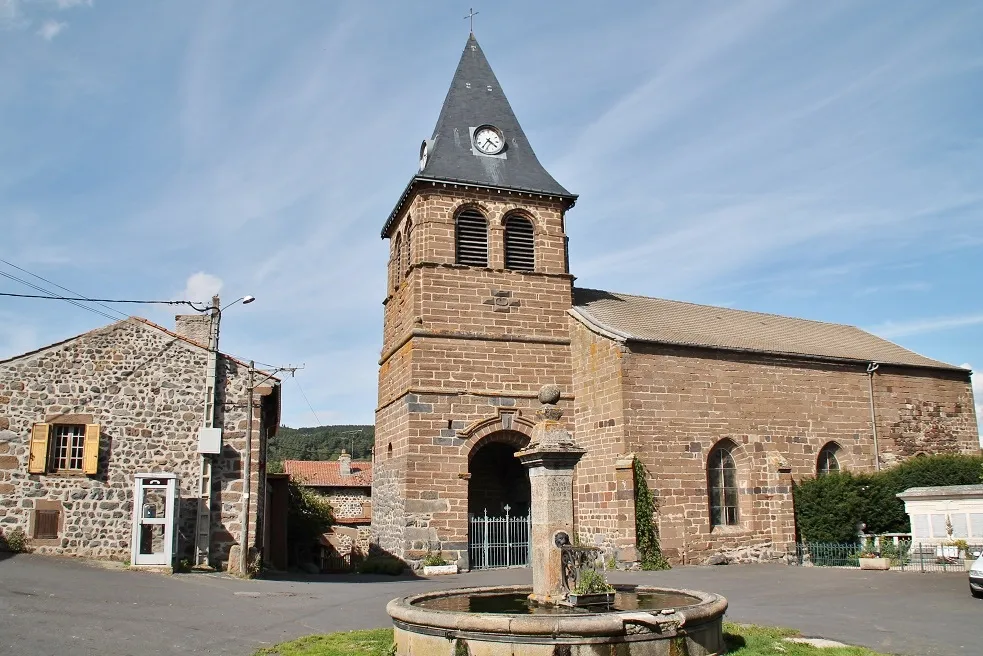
point(901, 555)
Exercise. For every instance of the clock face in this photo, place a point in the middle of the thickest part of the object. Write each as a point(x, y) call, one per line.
point(489, 140)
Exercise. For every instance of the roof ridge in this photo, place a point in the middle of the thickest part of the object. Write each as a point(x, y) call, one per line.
point(722, 307)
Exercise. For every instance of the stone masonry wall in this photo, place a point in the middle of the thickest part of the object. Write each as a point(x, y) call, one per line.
point(780, 413)
point(604, 509)
point(460, 345)
point(145, 388)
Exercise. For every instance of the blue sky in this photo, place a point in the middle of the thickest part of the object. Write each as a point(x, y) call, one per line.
point(822, 160)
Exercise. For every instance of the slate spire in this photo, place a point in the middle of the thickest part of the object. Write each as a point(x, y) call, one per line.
point(475, 98)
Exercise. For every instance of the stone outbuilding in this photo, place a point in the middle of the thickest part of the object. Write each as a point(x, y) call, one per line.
point(723, 407)
point(80, 418)
point(347, 485)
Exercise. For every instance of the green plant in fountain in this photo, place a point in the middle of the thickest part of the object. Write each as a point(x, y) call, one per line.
point(646, 530)
point(591, 582)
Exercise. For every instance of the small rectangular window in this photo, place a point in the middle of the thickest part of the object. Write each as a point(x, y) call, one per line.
point(67, 447)
point(46, 524)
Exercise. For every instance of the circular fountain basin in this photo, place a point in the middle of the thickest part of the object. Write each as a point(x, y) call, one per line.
point(644, 621)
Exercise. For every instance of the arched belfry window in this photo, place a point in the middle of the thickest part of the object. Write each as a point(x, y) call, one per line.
point(520, 244)
point(828, 462)
point(472, 238)
point(722, 485)
point(397, 259)
point(409, 246)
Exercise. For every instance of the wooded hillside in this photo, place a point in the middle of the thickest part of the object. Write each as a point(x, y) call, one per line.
point(320, 443)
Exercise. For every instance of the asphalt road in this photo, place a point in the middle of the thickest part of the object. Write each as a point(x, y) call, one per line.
point(52, 606)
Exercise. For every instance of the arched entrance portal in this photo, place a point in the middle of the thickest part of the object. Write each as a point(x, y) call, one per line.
point(498, 502)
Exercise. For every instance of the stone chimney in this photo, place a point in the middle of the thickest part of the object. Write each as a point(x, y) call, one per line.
point(345, 464)
point(193, 326)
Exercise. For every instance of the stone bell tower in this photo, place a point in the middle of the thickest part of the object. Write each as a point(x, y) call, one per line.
point(475, 322)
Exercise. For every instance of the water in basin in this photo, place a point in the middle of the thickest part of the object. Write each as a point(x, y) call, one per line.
point(519, 604)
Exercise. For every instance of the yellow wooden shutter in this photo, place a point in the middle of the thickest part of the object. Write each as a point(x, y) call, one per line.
point(38, 462)
point(90, 452)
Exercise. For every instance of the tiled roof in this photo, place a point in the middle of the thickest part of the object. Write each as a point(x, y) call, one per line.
point(638, 318)
point(325, 473)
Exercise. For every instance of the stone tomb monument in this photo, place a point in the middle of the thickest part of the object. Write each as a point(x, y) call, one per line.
point(541, 620)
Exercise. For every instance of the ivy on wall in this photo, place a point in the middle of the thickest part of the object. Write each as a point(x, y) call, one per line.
point(646, 531)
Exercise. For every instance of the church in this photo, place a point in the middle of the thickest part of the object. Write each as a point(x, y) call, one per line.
point(724, 408)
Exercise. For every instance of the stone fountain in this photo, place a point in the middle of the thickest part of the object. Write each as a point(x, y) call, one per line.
point(551, 618)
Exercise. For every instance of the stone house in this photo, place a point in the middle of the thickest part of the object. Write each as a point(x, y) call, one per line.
point(724, 408)
point(79, 418)
point(347, 485)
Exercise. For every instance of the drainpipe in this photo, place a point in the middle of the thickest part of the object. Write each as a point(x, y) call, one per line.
point(871, 368)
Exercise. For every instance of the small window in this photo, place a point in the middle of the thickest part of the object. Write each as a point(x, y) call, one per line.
point(722, 485)
point(520, 243)
point(67, 447)
point(46, 524)
point(397, 260)
point(472, 238)
point(409, 247)
point(827, 462)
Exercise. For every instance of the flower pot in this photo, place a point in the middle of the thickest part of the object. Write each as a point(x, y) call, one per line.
point(875, 563)
point(437, 570)
point(592, 599)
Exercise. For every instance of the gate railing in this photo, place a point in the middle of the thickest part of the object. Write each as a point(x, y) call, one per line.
point(495, 542)
point(904, 555)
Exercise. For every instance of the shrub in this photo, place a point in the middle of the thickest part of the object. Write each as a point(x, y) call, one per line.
point(308, 515)
point(382, 565)
point(15, 540)
point(433, 559)
point(828, 508)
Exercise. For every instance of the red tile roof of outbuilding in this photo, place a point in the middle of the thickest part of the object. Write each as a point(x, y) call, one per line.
point(325, 473)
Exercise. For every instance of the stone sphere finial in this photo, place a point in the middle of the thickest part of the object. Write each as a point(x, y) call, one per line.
point(549, 394)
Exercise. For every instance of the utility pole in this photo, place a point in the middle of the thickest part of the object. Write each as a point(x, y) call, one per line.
point(203, 524)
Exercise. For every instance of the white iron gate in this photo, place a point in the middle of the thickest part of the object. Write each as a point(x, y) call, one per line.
point(498, 541)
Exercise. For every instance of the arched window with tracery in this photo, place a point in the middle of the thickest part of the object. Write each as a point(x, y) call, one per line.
point(397, 260)
point(827, 462)
point(722, 485)
point(520, 244)
point(409, 246)
point(471, 233)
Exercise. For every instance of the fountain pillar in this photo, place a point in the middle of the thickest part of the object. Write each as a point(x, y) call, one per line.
point(550, 458)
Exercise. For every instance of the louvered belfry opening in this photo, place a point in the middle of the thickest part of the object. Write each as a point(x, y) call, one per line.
point(472, 238)
point(520, 244)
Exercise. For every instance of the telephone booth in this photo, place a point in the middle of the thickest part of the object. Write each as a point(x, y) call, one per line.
point(155, 517)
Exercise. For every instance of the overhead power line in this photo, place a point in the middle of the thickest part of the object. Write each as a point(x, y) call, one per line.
point(52, 282)
point(91, 300)
point(47, 291)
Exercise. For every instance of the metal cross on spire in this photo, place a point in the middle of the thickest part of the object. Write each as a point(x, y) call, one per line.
point(471, 16)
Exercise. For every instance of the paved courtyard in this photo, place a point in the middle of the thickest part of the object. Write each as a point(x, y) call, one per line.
point(54, 606)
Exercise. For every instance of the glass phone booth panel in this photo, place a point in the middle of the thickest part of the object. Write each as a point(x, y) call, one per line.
point(154, 519)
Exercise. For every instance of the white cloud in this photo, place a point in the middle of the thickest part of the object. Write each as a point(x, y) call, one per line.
point(50, 29)
point(201, 287)
point(891, 329)
point(68, 4)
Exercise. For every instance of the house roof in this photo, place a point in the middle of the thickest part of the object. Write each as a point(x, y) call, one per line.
point(625, 317)
point(475, 98)
point(325, 473)
point(141, 322)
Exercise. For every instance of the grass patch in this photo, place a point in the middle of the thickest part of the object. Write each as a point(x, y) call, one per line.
point(375, 642)
point(749, 640)
point(742, 640)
